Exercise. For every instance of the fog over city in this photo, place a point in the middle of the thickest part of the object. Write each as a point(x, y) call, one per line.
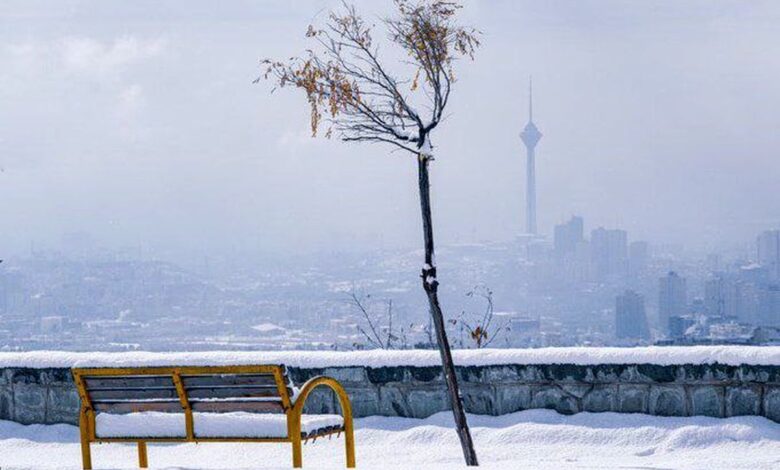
point(138, 124)
point(136, 149)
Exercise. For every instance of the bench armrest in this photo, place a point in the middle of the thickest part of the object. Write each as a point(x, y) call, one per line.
point(328, 382)
point(294, 417)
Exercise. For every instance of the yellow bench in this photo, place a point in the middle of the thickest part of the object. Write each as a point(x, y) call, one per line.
point(203, 404)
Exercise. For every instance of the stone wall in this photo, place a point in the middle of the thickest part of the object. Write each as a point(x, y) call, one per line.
point(48, 395)
point(38, 396)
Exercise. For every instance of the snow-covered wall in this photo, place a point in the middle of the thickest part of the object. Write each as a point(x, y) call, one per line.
point(668, 355)
point(36, 387)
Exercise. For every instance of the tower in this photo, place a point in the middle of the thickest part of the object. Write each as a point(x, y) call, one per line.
point(530, 137)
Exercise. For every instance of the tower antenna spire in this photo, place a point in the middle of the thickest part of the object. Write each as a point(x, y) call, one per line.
point(530, 137)
point(530, 98)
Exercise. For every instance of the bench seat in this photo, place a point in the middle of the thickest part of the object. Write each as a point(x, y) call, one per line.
point(152, 424)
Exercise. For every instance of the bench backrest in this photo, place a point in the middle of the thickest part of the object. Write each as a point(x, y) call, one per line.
point(258, 389)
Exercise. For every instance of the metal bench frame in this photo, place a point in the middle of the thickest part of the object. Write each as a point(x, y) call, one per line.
point(293, 410)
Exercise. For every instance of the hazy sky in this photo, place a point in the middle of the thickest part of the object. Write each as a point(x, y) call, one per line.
point(138, 122)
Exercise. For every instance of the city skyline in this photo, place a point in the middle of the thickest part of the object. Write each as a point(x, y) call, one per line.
point(602, 289)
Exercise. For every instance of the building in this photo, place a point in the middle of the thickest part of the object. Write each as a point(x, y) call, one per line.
point(638, 257)
point(768, 247)
point(521, 330)
point(742, 301)
point(769, 306)
point(608, 253)
point(530, 136)
point(715, 295)
point(52, 324)
point(672, 299)
point(630, 317)
point(568, 236)
point(679, 325)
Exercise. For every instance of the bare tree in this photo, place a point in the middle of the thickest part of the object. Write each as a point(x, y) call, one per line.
point(377, 336)
point(481, 328)
point(364, 101)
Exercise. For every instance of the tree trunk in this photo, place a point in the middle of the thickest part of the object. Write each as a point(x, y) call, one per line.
point(431, 286)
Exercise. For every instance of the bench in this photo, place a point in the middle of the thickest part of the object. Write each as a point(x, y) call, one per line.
point(203, 404)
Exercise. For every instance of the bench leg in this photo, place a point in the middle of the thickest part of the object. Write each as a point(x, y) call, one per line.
point(143, 461)
point(86, 455)
point(349, 442)
point(297, 452)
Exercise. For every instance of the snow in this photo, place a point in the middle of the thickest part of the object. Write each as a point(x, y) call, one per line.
point(146, 424)
point(538, 439)
point(268, 328)
point(237, 424)
point(427, 148)
point(659, 355)
point(256, 425)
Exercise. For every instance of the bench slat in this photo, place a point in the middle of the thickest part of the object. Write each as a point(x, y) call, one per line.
point(231, 406)
point(234, 392)
point(107, 389)
point(125, 382)
point(228, 380)
point(196, 387)
point(132, 394)
point(136, 407)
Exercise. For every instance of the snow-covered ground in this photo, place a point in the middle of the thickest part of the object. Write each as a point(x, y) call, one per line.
point(666, 355)
point(538, 439)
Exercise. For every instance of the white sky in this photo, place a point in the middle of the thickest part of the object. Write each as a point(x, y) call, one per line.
point(137, 122)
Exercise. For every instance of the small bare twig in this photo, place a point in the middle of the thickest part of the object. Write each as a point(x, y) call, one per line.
point(375, 335)
point(482, 333)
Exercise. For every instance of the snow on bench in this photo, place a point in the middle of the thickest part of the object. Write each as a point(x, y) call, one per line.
point(238, 424)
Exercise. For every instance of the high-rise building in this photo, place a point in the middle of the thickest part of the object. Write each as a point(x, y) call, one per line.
point(742, 301)
point(638, 256)
point(608, 253)
point(530, 136)
point(672, 298)
point(715, 296)
point(568, 236)
point(630, 316)
point(768, 244)
point(769, 306)
point(734, 299)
